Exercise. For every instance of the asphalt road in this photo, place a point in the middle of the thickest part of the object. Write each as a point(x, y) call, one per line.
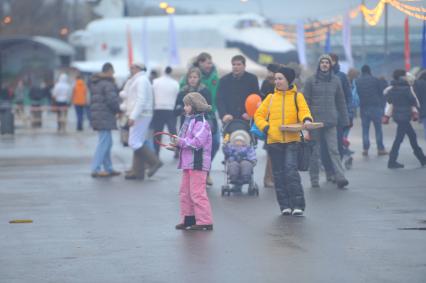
point(112, 230)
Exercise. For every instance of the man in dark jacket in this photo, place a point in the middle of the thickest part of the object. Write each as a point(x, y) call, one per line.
point(234, 89)
point(370, 92)
point(103, 108)
point(326, 100)
point(401, 97)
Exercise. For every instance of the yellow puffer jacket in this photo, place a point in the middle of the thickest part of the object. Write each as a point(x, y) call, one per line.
point(276, 117)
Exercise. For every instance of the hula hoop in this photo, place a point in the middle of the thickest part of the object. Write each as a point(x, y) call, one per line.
point(159, 134)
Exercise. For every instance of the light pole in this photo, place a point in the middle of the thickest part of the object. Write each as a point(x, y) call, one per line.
point(363, 33)
point(386, 29)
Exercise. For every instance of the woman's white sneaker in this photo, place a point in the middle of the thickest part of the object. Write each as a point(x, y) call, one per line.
point(297, 212)
point(286, 211)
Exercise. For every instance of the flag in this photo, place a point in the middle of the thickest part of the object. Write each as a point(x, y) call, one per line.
point(347, 40)
point(424, 45)
point(129, 46)
point(407, 45)
point(301, 48)
point(327, 46)
point(173, 50)
point(145, 57)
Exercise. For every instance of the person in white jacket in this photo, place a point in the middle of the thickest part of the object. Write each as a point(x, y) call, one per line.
point(61, 93)
point(138, 105)
point(166, 90)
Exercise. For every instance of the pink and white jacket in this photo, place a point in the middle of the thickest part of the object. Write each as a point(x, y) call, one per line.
point(195, 144)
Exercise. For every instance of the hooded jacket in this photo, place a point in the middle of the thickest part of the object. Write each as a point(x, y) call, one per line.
point(277, 118)
point(79, 96)
point(61, 92)
point(104, 104)
point(400, 96)
point(326, 100)
point(195, 144)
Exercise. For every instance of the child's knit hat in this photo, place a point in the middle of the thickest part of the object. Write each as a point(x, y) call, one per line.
point(197, 102)
point(240, 135)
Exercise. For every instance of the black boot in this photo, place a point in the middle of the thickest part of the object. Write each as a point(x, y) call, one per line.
point(395, 165)
point(188, 222)
point(420, 156)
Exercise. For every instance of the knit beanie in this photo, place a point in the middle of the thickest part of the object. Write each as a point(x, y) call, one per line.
point(272, 67)
point(288, 73)
point(197, 102)
point(325, 56)
point(240, 135)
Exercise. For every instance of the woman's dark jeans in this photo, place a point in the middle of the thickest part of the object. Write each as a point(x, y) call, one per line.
point(288, 185)
point(405, 128)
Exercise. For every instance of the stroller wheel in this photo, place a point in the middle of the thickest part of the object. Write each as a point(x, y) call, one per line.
point(256, 189)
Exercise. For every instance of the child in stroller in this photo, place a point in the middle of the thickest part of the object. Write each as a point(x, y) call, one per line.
point(240, 158)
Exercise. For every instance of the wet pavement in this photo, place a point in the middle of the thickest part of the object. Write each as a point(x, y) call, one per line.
point(112, 230)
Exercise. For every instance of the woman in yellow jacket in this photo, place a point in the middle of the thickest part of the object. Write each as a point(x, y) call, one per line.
point(276, 110)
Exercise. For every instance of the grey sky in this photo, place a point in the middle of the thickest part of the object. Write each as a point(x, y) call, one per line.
point(287, 10)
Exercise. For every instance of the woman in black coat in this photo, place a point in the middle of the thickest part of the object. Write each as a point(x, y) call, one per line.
point(401, 97)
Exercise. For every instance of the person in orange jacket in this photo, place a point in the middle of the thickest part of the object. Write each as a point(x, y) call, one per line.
point(80, 100)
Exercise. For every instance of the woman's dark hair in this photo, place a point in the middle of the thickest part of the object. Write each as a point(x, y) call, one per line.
point(398, 73)
point(366, 69)
point(193, 70)
point(107, 67)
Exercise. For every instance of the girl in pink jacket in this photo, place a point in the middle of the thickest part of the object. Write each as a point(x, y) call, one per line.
point(195, 144)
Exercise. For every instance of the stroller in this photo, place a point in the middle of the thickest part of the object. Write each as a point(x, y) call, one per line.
point(243, 128)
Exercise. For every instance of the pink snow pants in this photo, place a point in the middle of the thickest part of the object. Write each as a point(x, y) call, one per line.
point(193, 197)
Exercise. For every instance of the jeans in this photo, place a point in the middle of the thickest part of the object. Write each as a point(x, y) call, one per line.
point(80, 110)
point(424, 126)
point(368, 115)
point(103, 152)
point(404, 128)
point(215, 143)
point(159, 120)
point(288, 185)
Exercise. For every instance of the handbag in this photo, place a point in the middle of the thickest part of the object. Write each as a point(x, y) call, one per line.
point(255, 130)
point(124, 134)
point(304, 151)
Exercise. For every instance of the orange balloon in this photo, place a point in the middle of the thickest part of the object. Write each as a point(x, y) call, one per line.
point(252, 103)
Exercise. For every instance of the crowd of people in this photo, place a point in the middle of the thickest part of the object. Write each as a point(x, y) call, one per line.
point(195, 108)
